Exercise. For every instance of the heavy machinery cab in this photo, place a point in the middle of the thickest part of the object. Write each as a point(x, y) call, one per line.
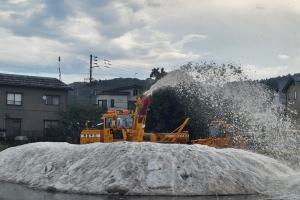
point(118, 119)
point(219, 135)
point(217, 128)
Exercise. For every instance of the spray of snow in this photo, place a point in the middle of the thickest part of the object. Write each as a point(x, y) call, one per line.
point(141, 169)
point(249, 106)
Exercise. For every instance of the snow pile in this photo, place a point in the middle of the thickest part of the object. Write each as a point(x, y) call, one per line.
point(140, 169)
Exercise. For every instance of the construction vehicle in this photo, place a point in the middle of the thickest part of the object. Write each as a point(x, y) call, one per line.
point(220, 135)
point(123, 125)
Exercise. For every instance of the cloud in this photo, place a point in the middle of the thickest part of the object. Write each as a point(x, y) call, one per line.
point(137, 35)
point(257, 72)
point(283, 56)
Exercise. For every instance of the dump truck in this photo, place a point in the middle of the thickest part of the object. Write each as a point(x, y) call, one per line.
point(123, 125)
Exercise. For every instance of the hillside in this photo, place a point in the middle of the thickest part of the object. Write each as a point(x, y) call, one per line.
point(82, 90)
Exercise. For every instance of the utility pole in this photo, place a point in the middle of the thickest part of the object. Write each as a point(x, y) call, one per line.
point(59, 72)
point(93, 65)
point(91, 69)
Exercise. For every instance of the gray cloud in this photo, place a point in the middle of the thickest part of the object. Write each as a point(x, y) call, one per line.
point(140, 34)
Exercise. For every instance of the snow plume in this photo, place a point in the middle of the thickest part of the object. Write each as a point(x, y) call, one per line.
point(142, 169)
point(249, 106)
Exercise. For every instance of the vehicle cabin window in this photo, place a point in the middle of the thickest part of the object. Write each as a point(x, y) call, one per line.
point(112, 103)
point(52, 100)
point(110, 123)
point(135, 92)
point(216, 131)
point(14, 99)
point(124, 121)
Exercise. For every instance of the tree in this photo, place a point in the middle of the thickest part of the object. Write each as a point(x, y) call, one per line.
point(158, 73)
point(169, 109)
point(73, 121)
point(76, 116)
point(166, 111)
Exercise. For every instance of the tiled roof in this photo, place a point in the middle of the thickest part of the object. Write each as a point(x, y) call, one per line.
point(118, 93)
point(32, 81)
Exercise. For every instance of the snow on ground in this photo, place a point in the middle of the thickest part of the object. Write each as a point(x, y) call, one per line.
point(140, 169)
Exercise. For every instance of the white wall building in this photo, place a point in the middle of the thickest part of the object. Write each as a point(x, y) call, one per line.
point(119, 98)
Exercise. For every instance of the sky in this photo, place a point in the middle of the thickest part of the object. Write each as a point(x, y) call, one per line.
point(262, 36)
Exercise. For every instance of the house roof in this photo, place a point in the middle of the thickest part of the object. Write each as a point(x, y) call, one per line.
point(290, 81)
point(118, 93)
point(32, 81)
point(120, 90)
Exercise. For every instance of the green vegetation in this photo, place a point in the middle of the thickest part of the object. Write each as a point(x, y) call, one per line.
point(158, 73)
point(73, 121)
point(3, 146)
point(168, 111)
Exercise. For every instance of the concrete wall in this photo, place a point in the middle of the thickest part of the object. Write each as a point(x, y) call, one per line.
point(121, 101)
point(33, 110)
point(131, 96)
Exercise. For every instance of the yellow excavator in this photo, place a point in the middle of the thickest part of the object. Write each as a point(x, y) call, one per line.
point(123, 125)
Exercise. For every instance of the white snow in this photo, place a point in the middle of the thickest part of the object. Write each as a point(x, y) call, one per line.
point(140, 169)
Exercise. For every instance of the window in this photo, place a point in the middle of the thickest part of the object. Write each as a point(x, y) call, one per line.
point(14, 99)
point(135, 92)
point(52, 100)
point(102, 104)
point(290, 95)
point(112, 103)
point(50, 124)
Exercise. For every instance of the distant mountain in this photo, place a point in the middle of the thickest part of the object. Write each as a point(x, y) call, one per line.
point(82, 91)
point(277, 83)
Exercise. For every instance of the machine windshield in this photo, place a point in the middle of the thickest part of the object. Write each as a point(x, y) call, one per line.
point(216, 131)
point(124, 121)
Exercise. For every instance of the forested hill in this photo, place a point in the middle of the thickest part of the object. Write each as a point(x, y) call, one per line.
point(277, 83)
point(81, 90)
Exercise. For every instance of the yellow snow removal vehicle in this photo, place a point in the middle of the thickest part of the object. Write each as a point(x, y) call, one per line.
point(220, 135)
point(123, 125)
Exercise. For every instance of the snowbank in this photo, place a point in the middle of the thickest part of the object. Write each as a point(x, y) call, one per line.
point(140, 169)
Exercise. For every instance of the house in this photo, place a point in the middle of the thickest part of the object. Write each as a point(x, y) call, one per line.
point(119, 98)
point(292, 97)
point(29, 105)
